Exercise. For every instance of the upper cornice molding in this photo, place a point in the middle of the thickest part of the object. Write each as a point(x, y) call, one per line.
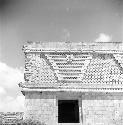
point(108, 47)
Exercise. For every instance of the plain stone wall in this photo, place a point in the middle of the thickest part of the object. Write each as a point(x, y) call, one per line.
point(102, 108)
point(94, 108)
point(40, 107)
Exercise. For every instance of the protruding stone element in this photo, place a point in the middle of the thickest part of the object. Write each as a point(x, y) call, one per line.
point(73, 46)
point(87, 77)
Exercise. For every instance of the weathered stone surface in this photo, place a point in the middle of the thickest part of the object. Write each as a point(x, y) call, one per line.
point(95, 109)
point(10, 118)
point(65, 46)
point(42, 69)
point(103, 72)
point(40, 106)
point(37, 71)
point(103, 111)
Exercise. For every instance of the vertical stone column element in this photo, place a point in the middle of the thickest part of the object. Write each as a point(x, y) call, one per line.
point(32, 67)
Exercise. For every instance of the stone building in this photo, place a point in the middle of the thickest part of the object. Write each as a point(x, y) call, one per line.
point(11, 118)
point(74, 83)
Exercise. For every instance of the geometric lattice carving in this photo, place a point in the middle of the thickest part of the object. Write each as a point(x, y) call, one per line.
point(119, 58)
point(54, 69)
point(37, 71)
point(80, 66)
point(69, 67)
point(32, 67)
point(47, 77)
point(103, 71)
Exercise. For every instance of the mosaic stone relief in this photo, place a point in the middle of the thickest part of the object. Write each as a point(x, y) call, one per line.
point(69, 67)
point(78, 67)
point(73, 69)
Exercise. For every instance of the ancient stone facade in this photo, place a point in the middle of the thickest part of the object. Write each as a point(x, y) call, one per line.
point(78, 81)
point(11, 118)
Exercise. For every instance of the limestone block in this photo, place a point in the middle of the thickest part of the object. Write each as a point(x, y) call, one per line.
point(40, 106)
point(105, 111)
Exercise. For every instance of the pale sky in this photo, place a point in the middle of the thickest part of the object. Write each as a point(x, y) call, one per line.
point(49, 20)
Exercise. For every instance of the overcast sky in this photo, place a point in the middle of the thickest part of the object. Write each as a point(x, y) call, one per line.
point(49, 20)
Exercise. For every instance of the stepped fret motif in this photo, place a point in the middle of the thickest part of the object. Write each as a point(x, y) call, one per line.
point(119, 58)
point(77, 68)
point(69, 67)
point(87, 78)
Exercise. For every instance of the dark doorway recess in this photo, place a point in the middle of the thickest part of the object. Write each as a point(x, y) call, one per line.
point(68, 111)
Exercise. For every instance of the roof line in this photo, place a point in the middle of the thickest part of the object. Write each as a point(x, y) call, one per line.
point(71, 51)
point(75, 90)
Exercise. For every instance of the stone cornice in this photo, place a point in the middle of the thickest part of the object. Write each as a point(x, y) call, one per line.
point(72, 90)
point(108, 47)
point(83, 86)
